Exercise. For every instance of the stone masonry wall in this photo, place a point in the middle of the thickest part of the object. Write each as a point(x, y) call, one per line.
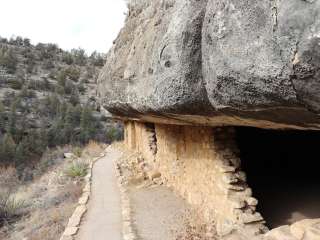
point(141, 137)
point(200, 164)
point(129, 135)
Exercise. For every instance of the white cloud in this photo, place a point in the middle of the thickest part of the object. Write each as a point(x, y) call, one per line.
point(90, 24)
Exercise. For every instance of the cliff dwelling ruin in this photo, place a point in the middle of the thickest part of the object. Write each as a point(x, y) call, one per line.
point(222, 98)
point(234, 174)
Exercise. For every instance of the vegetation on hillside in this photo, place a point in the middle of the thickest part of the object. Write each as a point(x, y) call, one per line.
point(40, 209)
point(47, 99)
point(47, 108)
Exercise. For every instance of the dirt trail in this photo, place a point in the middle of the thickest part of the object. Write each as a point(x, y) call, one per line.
point(103, 219)
point(158, 213)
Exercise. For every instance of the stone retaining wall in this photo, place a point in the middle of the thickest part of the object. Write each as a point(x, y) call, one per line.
point(141, 137)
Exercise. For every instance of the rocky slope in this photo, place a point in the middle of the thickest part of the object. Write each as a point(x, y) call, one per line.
point(217, 63)
point(47, 98)
point(46, 69)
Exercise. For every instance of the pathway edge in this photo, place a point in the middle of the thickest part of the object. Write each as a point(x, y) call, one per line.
point(74, 221)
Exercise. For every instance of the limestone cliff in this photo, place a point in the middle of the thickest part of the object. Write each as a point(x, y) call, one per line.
point(252, 63)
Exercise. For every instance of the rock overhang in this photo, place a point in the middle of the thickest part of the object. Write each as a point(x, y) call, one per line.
point(217, 63)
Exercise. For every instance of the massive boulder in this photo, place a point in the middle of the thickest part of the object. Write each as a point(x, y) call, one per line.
point(231, 62)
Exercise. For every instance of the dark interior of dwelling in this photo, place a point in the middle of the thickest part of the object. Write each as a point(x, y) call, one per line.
point(283, 170)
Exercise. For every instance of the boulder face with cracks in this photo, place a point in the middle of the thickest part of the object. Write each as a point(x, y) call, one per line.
point(250, 63)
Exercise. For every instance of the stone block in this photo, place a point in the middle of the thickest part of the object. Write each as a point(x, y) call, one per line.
point(280, 233)
point(70, 231)
point(299, 228)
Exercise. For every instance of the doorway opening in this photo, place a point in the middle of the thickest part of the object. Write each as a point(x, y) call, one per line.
point(150, 127)
point(283, 170)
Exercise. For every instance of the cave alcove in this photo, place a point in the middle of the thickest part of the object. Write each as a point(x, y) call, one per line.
point(283, 170)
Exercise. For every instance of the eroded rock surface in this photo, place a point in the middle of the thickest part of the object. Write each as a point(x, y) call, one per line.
point(254, 63)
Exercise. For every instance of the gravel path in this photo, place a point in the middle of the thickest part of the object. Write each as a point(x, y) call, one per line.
point(103, 219)
point(158, 213)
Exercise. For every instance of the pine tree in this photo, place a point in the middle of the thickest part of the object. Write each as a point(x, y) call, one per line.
point(43, 138)
point(86, 125)
point(2, 108)
point(56, 133)
point(79, 56)
point(74, 98)
point(20, 154)
point(69, 123)
point(8, 60)
point(8, 147)
point(2, 118)
point(13, 117)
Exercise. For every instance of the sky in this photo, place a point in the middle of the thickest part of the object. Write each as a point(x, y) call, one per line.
point(89, 24)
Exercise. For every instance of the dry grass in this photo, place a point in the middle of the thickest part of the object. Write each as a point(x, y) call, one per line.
point(197, 229)
point(49, 223)
point(52, 196)
point(77, 151)
point(196, 232)
point(51, 158)
point(119, 145)
point(48, 210)
point(8, 178)
point(11, 207)
point(92, 149)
